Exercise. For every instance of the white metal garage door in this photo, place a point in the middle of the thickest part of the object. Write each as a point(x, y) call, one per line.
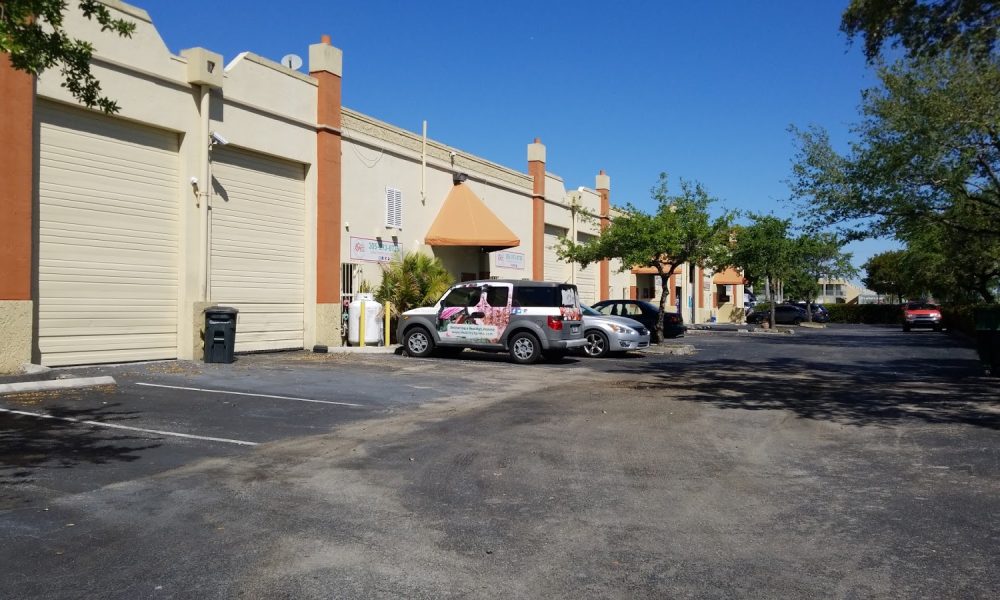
point(108, 239)
point(555, 270)
point(586, 279)
point(258, 247)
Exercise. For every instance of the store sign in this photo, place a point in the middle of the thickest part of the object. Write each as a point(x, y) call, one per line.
point(510, 260)
point(375, 250)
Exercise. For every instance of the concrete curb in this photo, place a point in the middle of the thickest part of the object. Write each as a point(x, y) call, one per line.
point(673, 350)
point(362, 350)
point(54, 384)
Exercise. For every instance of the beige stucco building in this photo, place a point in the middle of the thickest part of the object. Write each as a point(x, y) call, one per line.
point(244, 183)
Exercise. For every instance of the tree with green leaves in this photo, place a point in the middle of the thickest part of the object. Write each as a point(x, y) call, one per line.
point(766, 253)
point(415, 279)
point(924, 27)
point(680, 231)
point(891, 274)
point(32, 34)
point(817, 256)
point(928, 152)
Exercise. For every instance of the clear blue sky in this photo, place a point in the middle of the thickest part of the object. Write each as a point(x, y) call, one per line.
point(701, 90)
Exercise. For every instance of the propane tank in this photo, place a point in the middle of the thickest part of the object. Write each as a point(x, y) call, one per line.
point(372, 320)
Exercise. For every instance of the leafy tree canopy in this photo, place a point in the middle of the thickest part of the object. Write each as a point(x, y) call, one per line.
point(31, 32)
point(927, 152)
point(891, 274)
point(817, 256)
point(924, 28)
point(765, 252)
point(681, 230)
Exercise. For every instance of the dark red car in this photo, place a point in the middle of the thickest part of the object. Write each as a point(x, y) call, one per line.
point(921, 314)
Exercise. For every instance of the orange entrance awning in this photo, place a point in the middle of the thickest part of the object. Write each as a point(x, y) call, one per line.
point(465, 221)
point(728, 277)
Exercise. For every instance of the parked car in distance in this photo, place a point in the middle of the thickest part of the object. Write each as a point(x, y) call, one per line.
point(819, 312)
point(527, 319)
point(606, 334)
point(921, 315)
point(645, 313)
point(785, 314)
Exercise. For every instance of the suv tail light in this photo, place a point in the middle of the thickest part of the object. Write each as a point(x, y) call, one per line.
point(555, 322)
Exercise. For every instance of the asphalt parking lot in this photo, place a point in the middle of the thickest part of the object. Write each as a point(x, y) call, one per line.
point(847, 462)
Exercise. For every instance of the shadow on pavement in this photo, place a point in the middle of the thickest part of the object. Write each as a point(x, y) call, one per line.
point(29, 444)
point(946, 392)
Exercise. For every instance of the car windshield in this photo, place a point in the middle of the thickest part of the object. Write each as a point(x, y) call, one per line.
point(589, 311)
point(921, 306)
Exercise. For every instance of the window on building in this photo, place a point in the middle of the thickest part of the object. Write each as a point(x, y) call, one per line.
point(834, 290)
point(393, 208)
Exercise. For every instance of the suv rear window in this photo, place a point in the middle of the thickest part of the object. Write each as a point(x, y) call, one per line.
point(544, 296)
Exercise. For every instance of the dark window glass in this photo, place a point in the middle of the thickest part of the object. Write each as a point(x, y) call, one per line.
point(536, 296)
point(606, 309)
point(649, 308)
point(497, 296)
point(462, 297)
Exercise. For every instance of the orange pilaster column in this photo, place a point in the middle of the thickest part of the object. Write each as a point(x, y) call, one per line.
point(325, 66)
point(17, 89)
point(536, 169)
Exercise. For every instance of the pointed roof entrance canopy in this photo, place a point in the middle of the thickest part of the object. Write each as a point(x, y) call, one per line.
point(465, 221)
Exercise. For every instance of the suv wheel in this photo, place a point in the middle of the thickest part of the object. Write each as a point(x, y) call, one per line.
point(524, 348)
point(418, 342)
point(597, 344)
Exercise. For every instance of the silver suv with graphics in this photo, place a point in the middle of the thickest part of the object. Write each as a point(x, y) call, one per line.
point(527, 319)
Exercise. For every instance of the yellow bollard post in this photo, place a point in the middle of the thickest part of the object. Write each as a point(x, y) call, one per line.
point(387, 331)
point(361, 325)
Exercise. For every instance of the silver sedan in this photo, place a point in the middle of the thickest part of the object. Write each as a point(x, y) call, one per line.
point(606, 334)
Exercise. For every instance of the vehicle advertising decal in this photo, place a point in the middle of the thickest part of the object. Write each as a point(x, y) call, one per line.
point(483, 320)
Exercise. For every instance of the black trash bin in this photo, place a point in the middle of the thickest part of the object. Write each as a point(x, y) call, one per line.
point(220, 334)
point(988, 338)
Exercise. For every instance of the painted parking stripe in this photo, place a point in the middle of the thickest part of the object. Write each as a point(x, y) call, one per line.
point(126, 427)
point(192, 389)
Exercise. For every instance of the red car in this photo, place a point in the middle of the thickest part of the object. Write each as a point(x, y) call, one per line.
point(921, 314)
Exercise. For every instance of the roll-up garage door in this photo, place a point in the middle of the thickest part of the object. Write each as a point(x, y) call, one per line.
point(257, 259)
point(586, 279)
point(108, 239)
point(555, 270)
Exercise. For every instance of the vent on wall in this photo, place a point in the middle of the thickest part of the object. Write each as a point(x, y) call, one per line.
point(393, 208)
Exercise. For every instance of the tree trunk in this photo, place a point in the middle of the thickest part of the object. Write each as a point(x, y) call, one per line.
point(984, 291)
point(770, 298)
point(664, 294)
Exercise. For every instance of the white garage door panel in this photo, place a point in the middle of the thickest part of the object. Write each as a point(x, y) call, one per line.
point(555, 270)
point(586, 284)
point(108, 239)
point(586, 279)
point(258, 247)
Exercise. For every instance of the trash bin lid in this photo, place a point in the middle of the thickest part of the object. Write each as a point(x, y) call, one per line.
point(221, 310)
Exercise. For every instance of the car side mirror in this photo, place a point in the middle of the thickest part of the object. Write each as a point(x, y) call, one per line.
point(477, 315)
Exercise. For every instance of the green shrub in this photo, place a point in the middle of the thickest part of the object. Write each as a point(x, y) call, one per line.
point(872, 314)
point(962, 317)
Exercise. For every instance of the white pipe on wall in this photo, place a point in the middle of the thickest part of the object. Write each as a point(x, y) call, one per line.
point(204, 192)
point(423, 166)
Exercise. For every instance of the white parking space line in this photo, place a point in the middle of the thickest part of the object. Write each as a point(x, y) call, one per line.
point(126, 427)
point(192, 389)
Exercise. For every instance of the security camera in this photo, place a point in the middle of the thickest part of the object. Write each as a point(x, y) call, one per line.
point(453, 154)
point(218, 139)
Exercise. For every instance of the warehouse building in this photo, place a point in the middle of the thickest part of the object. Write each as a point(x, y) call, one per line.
point(247, 184)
